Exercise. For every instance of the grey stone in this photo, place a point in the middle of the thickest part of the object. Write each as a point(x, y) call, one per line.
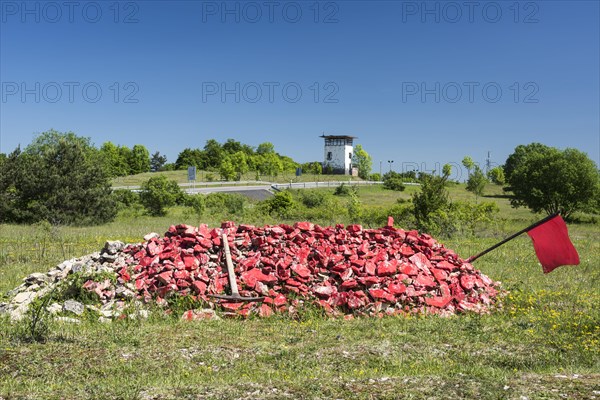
point(24, 298)
point(3, 308)
point(104, 268)
point(67, 320)
point(33, 288)
point(18, 313)
point(54, 308)
point(65, 265)
point(113, 247)
point(36, 277)
point(104, 320)
point(124, 293)
point(21, 288)
point(73, 306)
point(151, 235)
point(109, 257)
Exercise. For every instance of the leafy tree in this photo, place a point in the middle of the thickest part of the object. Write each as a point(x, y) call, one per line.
point(124, 161)
point(158, 193)
point(476, 182)
point(265, 148)
point(362, 160)
point(191, 158)
point(59, 177)
point(432, 198)
point(157, 162)
point(547, 179)
point(239, 160)
point(288, 164)
point(116, 163)
point(468, 163)
point(226, 169)
point(214, 153)
point(269, 164)
point(139, 160)
point(232, 146)
point(496, 175)
point(314, 167)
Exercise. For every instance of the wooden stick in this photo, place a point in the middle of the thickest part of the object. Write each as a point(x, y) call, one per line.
point(230, 271)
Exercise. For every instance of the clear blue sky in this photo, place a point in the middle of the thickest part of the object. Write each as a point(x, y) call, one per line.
point(388, 72)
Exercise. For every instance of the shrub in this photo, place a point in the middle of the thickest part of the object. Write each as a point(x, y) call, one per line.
point(313, 198)
point(345, 190)
point(196, 202)
point(231, 203)
point(280, 204)
point(158, 193)
point(124, 198)
point(393, 181)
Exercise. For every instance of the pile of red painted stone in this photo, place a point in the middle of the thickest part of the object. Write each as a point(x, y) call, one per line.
point(345, 270)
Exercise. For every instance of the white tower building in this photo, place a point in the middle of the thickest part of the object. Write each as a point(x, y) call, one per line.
point(338, 153)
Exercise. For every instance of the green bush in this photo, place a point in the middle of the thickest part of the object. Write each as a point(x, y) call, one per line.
point(376, 177)
point(229, 203)
point(125, 198)
point(196, 202)
point(280, 204)
point(346, 190)
point(313, 198)
point(393, 181)
point(158, 193)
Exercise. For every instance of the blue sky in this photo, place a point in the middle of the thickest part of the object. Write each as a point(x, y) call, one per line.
point(419, 83)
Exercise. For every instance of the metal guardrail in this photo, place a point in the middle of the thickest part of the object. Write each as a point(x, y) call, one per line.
point(325, 184)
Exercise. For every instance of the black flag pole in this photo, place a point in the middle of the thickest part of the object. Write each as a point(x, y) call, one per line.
point(511, 237)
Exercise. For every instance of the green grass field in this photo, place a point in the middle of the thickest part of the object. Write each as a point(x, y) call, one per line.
point(543, 344)
point(201, 176)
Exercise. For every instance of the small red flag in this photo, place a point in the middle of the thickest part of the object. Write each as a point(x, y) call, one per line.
point(552, 244)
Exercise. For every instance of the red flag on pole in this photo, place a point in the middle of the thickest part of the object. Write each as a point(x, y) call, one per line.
point(552, 244)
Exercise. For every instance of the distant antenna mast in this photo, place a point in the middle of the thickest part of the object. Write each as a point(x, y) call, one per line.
point(488, 163)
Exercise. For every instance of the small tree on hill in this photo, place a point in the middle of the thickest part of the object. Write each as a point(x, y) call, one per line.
point(157, 162)
point(432, 198)
point(476, 182)
point(496, 176)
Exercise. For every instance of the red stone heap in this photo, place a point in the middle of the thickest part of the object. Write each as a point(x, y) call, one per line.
point(345, 270)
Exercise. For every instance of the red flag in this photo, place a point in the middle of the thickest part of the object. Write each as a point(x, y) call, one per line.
point(552, 244)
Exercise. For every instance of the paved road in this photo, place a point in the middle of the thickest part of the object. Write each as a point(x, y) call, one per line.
point(259, 189)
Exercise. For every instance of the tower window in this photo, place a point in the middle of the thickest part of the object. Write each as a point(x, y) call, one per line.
point(328, 155)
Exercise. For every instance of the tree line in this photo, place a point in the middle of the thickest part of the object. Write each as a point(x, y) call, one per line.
point(64, 179)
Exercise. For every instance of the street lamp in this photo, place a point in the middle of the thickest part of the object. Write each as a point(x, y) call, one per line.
point(380, 162)
point(390, 162)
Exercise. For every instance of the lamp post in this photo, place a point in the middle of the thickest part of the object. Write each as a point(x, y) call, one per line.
point(390, 162)
point(380, 163)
